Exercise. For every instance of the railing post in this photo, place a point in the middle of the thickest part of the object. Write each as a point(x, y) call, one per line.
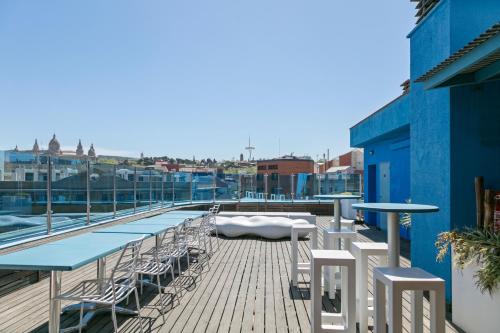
point(114, 191)
point(318, 178)
point(265, 188)
point(191, 188)
point(135, 189)
point(162, 189)
point(150, 190)
point(88, 192)
point(49, 195)
point(345, 182)
point(214, 185)
point(292, 192)
point(173, 188)
point(239, 188)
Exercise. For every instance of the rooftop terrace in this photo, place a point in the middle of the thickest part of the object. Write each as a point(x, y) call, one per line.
point(247, 288)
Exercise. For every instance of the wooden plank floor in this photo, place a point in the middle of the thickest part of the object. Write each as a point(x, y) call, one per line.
point(244, 287)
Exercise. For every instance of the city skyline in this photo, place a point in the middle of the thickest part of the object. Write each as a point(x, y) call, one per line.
point(178, 78)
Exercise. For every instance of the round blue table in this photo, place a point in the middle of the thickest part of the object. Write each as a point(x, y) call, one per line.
point(336, 208)
point(393, 210)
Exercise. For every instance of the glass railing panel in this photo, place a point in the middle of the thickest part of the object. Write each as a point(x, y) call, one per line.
point(226, 186)
point(125, 176)
point(101, 184)
point(182, 187)
point(249, 187)
point(23, 195)
point(69, 192)
point(142, 189)
point(203, 186)
point(169, 189)
point(233, 186)
point(156, 178)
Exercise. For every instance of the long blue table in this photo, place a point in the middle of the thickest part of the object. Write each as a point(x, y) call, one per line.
point(71, 253)
point(141, 229)
point(66, 254)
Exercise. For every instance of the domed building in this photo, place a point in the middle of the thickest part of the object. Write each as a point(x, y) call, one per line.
point(54, 146)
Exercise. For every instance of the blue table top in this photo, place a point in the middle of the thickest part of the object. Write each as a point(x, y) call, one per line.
point(395, 207)
point(137, 228)
point(173, 216)
point(186, 212)
point(67, 254)
point(336, 196)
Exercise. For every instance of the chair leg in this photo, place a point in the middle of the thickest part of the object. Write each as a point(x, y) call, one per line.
point(175, 287)
point(178, 265)
point(81, 318)
point(113, 318)
point(217, 235)
point(138, 308)
point(188, 263)
point(161, 297)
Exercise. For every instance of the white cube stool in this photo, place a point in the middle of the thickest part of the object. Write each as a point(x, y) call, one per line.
point(330, 241)
point(345, 321)
point(362, 251)
point(302, 267)
point(345, 223)
point(397, 280)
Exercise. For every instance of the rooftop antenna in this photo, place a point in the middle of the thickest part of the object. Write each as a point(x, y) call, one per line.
point(250, 148)
point(279, 147)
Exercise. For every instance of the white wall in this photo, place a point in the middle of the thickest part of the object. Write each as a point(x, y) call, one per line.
point(472, 311)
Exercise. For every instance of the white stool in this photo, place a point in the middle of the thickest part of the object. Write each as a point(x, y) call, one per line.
point(363, 250)
point(331, 239)
point(345, 321)
point(303, 267)
point(415, 279)
point(345, 223)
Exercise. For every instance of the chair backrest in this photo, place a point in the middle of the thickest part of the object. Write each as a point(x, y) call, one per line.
point(124, 271)
point(166, 245)
point(215, 209)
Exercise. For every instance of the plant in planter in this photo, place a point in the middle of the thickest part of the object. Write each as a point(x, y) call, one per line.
point(480, 245)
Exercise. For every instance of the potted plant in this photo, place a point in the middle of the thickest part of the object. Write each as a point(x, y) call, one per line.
point(476, 267)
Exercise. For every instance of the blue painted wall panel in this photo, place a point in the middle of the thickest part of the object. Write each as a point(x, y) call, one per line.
point(454, 134)
point(396, 151)
point(475, 149)
point(430, 141)
point(391, 118)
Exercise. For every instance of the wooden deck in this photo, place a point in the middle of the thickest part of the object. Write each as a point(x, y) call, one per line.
point(247, 288)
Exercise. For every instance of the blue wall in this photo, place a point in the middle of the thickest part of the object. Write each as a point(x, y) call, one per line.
point(430, 141)
point(454, 133)
point(446, 129)
point(396, 151)
point(475, 136)
point(385, 137)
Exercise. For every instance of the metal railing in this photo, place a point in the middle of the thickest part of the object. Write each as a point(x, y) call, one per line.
point(44, 194)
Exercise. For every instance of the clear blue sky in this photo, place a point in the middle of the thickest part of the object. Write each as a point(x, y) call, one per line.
point(197, 77)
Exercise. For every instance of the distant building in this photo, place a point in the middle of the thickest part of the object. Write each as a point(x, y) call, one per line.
point(286, 165)
point(323, 166)
point(279, 173)
point(167, 166)
point(354, 159)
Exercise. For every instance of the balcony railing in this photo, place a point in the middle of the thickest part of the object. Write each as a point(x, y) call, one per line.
point(41, 194)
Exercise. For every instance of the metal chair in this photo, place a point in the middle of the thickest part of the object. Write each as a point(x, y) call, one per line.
point(158, 261)
point(113, 290)
point(195, 237)
point(212, 224)
point(180, 248)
